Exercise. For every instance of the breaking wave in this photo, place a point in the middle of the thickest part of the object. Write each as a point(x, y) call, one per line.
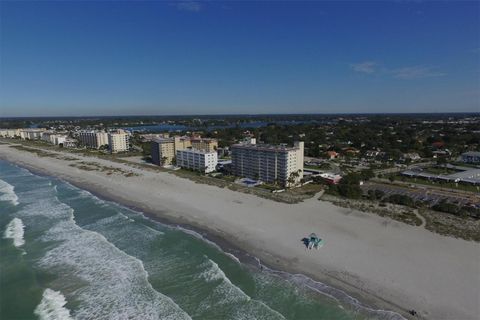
point(52, 306)
point(337, 294)
point(226, 293)
point(8, 193)
point(15, 231)
point(117, 283)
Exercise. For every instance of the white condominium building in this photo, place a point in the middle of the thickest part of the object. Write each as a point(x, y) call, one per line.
point(118, 141)
point(31, 134)
point(93, 139)
point(269, 163)
point(197, 160)
point(9, 133)
point(54, 138)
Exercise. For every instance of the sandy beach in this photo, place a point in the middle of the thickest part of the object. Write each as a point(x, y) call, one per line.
point(383, 263)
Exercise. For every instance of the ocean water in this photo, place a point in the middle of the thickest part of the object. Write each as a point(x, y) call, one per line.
point(66, 254)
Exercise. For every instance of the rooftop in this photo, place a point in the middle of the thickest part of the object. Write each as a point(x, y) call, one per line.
point(263, 147)
point(472, 153)
point(162, 140)
point(197, 151)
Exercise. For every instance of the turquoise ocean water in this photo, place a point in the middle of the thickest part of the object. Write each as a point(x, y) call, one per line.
point(66, 254)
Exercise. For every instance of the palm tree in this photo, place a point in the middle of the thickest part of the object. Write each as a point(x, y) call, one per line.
point(293, 177)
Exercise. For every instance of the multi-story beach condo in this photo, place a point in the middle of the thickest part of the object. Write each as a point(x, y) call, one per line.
point(182, 143)
point(206, 144)
point(9, 133)
point(54, 138)
point(93, 139)
point(118, 141)
point(152, 136)
point(269, 163)
point(163, 151)
point(31, 134)
point(197, 160)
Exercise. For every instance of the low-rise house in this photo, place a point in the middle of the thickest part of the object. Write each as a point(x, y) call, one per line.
point(413, 156)
point(350, 151)
point(332, 155)
point(331, 178)
point(372, 153)
point(441, 153)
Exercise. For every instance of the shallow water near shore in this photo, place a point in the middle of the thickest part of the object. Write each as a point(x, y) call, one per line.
point(66, 254)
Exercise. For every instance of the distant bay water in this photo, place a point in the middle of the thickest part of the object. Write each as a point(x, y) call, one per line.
point(66, 254)
point(244, 125)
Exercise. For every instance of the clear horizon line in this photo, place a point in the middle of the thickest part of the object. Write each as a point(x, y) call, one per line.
point(238, 114)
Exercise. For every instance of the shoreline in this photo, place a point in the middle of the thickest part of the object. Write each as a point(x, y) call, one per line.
point(365, 301)
point(228, 239)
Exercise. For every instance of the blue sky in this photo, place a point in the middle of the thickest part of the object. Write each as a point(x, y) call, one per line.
point(153, 57)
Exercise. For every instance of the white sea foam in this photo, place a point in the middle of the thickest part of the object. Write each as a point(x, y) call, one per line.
point(15, 231)
point(213, 272)
point(199, 236)
point(233, 257)
point(133, 238)
point(118, 286)
point(52, 306)
point(7, 192)
point(336, 294)
point(228, 293)
point(110, 284)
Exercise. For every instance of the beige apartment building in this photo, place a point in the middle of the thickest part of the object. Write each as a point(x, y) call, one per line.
point(182, 143)
point(93, 139)
point(205, 144)
point(118, 141)
point(164, 150)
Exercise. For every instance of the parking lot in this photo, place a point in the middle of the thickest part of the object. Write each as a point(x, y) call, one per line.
point(424, 194)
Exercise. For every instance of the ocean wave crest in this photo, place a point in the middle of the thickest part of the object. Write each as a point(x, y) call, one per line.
point(15, 231)
point(52, 306)
point(336, 294)
point(118, 286)
point(228, 293)
point(8, 192)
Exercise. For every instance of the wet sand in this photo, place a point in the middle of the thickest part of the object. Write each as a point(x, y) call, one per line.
point(384, 263)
